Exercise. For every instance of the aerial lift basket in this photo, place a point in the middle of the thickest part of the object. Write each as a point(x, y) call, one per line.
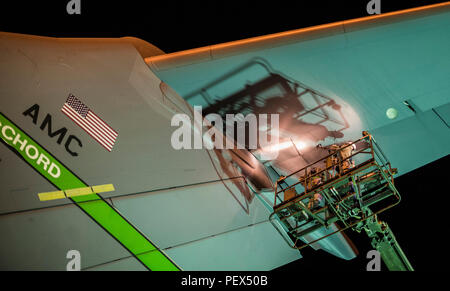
point(347, 190)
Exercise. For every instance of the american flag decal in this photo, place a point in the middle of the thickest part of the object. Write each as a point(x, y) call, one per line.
point(90, 122)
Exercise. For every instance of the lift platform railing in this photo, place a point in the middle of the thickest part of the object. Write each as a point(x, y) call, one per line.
point(372, 149)
point(371, 185)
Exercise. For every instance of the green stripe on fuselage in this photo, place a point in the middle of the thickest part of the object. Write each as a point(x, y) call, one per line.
point(98, 209)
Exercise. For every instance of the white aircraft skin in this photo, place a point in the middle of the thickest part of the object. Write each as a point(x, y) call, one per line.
point(202, 209)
